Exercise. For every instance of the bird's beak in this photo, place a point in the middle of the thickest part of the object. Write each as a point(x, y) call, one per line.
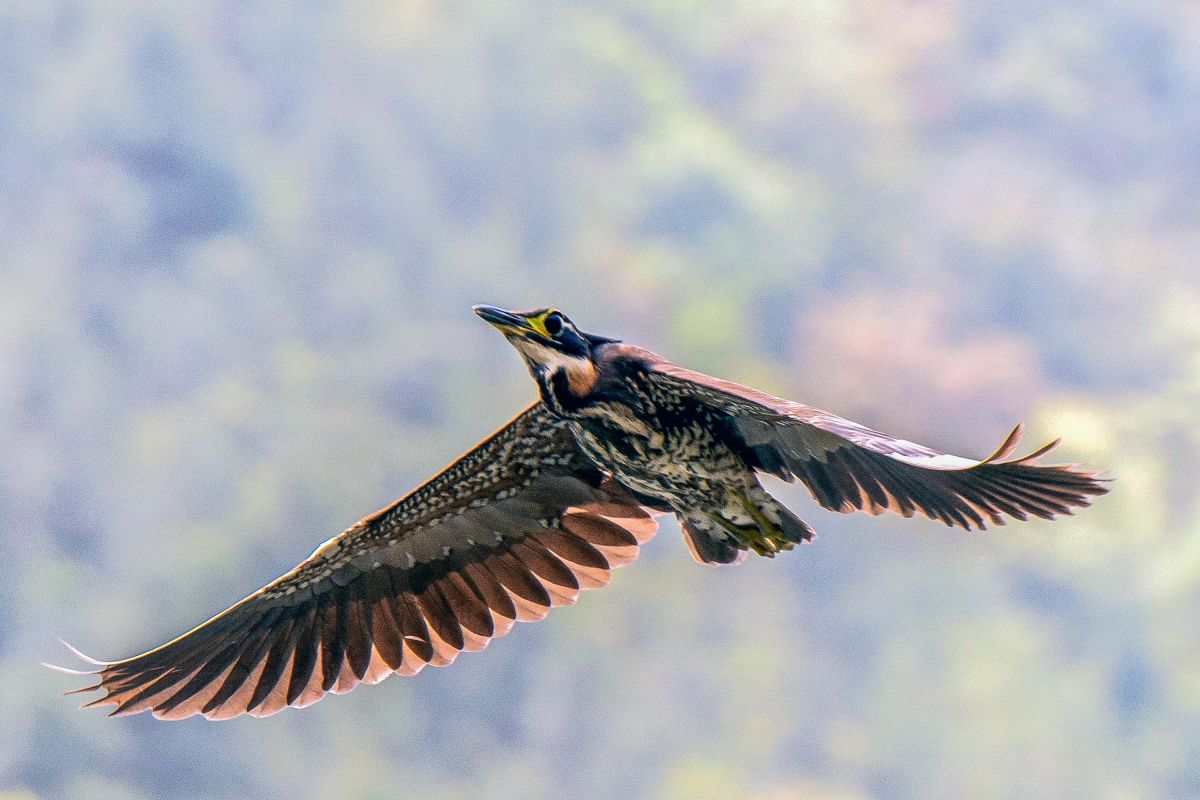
point(505, 321)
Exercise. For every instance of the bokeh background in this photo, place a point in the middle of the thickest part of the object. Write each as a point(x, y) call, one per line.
point(238, 246)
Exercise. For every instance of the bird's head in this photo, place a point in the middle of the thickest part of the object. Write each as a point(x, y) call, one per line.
point(559, 355)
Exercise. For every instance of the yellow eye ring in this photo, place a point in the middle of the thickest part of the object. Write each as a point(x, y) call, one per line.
point(549, 324)
point(553, 323)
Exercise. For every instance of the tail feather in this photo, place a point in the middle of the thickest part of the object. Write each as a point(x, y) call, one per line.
point(795, 530)
point(713, 539)
point(709, 544)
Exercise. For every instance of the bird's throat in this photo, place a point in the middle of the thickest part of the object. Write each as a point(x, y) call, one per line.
point(565, 389)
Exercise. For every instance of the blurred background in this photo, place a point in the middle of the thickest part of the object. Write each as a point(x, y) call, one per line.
point(238, 247)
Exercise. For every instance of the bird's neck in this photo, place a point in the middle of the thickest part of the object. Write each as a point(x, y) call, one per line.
point(566, 389)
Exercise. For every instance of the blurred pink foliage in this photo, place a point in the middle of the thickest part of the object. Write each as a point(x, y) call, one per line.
point(892, 357)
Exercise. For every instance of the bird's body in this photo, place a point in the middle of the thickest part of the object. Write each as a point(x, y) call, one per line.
point(675, 454)
point(546, 507)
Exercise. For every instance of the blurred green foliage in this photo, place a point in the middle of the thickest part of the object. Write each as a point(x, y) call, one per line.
point(238, 242)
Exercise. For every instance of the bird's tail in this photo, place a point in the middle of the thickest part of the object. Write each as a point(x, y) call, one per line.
point(762, 524)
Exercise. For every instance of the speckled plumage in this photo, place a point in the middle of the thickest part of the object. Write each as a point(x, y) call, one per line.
point(664, 445)
point(548, 506)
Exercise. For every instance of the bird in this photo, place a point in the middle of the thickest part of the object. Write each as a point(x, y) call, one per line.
point(548, 506)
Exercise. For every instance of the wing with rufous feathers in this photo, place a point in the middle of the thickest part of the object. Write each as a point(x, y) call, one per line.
point(521, 523)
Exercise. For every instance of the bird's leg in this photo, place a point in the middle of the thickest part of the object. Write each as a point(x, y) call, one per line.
point(773, 538)
point(762, 535)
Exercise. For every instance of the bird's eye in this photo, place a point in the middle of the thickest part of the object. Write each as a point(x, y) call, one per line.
point(553, 323)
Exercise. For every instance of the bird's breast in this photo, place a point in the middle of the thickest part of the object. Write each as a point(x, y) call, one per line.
point(652, 454)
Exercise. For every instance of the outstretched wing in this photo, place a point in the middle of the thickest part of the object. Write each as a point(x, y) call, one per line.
point(849, 467)
point(519, 524)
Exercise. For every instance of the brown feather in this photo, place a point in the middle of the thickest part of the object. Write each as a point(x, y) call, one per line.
point(528, 595)
point(559, 581)
point(490, 590)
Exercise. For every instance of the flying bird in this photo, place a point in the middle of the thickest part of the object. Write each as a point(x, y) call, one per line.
point(547, 506)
